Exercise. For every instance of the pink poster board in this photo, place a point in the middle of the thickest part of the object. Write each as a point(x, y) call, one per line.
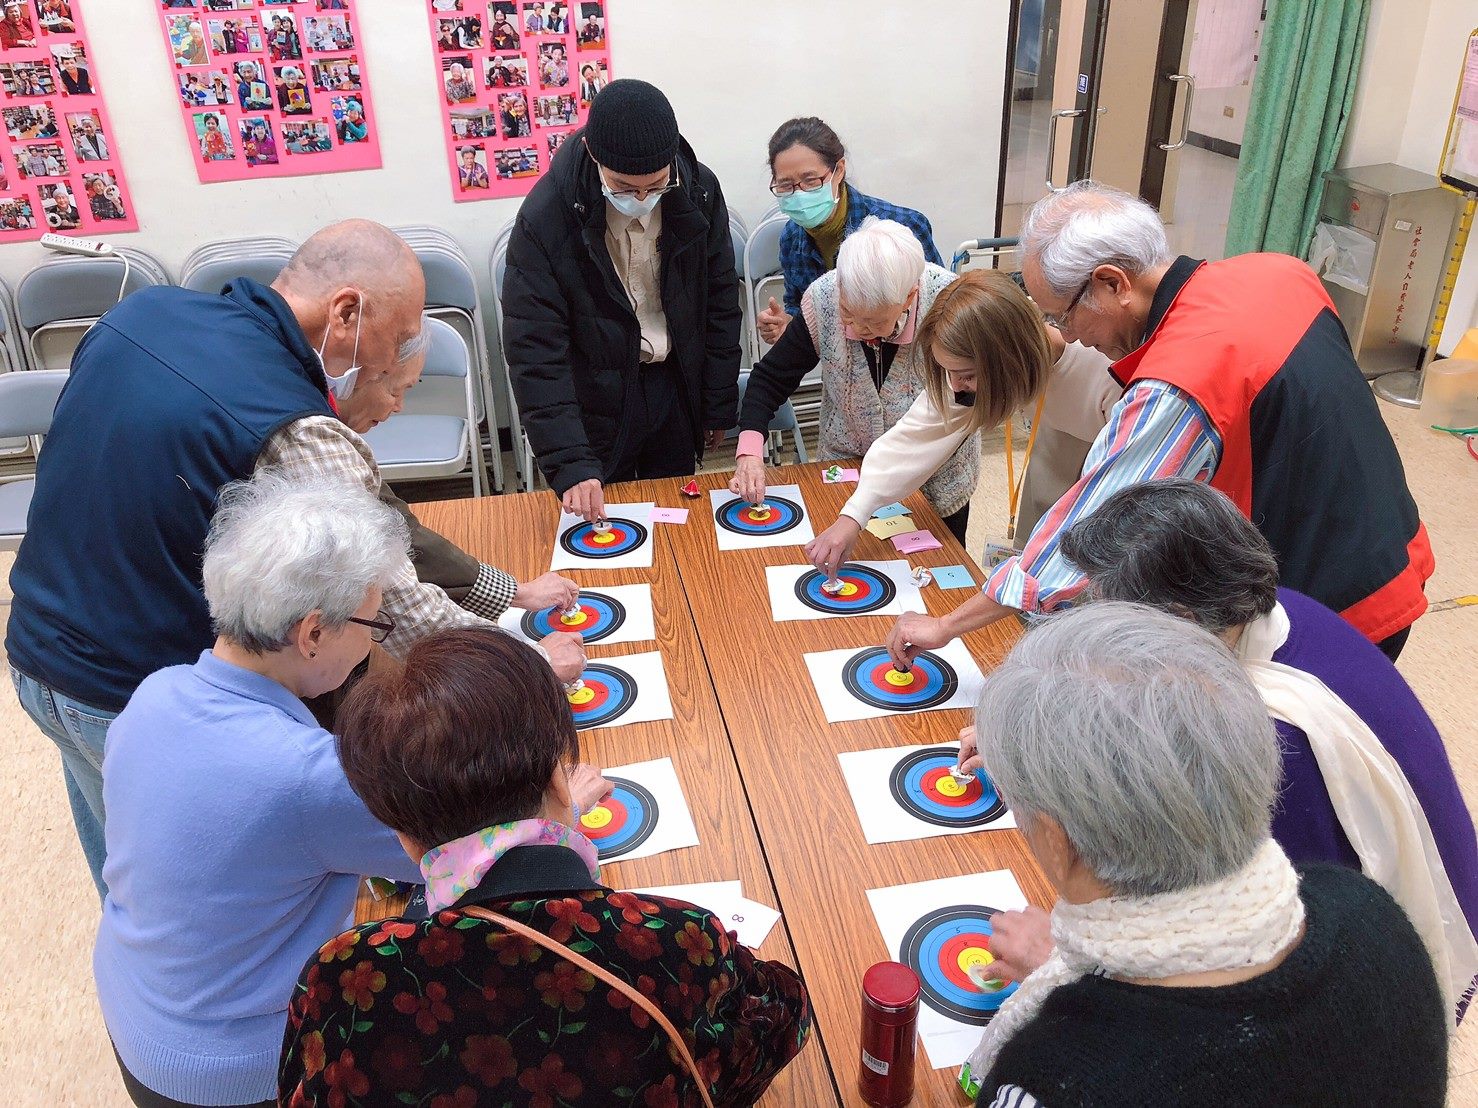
point(59, 170)
point(516, 79)
point(271, 88)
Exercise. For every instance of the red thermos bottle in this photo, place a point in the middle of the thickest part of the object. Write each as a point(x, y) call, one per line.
point(890, 1017)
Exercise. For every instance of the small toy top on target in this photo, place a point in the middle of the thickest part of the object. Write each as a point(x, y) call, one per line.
point(691, 489)
point(601, 526)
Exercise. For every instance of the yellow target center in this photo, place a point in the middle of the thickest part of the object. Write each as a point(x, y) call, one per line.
point(573, 620)
point(971, 956)
point(582, 696)
point(605, 538)
point(948, 786)
point(900, 680)
point(759, 515)
point(849, 588)
point(596, 818)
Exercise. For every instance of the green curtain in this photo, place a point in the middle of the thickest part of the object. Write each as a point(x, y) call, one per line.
point(1301, 98)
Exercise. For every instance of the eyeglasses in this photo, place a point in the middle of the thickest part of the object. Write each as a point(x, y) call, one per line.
point(809, 183)
point(1060, 319)
point(380, 627)
point(643, 193)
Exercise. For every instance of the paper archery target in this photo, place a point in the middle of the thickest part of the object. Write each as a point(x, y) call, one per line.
point(871, 678)
point(863, 590)
point(941, 947)
point(741, 517)
point(596, 616)
point(607, 694)
point(924, 788)
point(584, 541)
point(622, 821)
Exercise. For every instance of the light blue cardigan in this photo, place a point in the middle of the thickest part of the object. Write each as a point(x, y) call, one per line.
point(235, 847)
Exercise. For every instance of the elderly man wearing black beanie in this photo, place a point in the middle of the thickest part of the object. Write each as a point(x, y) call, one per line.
point(621, 305)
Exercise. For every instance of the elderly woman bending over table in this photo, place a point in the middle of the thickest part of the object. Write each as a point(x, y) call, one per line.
point(1193, 963)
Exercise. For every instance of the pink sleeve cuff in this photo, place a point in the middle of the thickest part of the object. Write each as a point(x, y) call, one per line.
point(751, 444)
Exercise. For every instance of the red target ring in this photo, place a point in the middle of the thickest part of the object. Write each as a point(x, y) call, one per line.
point(614, 538)
point(602, 693)
point(937, 776)
point(951, 952)
point(618, 817)
point(879, 677)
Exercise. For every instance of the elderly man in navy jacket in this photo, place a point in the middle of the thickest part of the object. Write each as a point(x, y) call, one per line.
point(174, 394)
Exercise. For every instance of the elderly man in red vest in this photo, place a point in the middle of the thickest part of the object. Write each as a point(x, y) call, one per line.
point(1237, 373)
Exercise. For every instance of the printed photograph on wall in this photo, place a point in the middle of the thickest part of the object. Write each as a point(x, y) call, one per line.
point(265, 83)
point(58, 167)
point(518, 77)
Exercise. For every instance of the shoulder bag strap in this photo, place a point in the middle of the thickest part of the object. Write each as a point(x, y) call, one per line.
point(636, 996)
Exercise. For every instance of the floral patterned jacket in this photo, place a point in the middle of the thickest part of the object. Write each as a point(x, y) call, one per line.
point(453, 1012)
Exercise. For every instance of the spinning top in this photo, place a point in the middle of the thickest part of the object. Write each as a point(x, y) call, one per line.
point(960, 775)
point(921, 577)
point(898, 667)
point(760, 510)
point(691, 489)
point(601, 527)
point(981, 975)
point(831, 473)
point(570, 615)
point(833, 586)
point(577, 685)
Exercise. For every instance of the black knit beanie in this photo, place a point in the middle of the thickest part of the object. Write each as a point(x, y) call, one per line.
point(631, 128)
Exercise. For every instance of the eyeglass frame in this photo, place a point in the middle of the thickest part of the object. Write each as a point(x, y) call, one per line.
point(791, 190)
point(384, 625)
point(1060, 319)
point(675, 182)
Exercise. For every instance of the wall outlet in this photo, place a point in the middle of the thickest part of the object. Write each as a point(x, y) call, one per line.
point(1227, 111)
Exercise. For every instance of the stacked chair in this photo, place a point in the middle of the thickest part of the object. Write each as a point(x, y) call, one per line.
point(62, 297)
point(762, 280)
point(15, 453)
point(211, 267)
point(26, 403)
point(523, 454)
point(451, 296)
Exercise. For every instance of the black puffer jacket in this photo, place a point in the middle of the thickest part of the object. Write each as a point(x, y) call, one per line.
point(569, 332)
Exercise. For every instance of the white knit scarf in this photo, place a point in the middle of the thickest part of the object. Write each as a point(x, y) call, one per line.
point(1244, 919)
point(1379, 814)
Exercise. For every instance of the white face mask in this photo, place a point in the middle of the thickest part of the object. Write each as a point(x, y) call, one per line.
point(342, 386)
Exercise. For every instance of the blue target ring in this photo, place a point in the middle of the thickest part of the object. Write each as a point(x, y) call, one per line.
point(608, 694)
point(584, 541)
point(622, 821)
point(932, 681)
point(739, 516)
point(864, 590)
point(939, 947)
point(599, 616)
point(924, 788)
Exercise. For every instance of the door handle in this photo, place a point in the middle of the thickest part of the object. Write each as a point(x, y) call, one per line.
point(1185, 122)
point(1065, 113)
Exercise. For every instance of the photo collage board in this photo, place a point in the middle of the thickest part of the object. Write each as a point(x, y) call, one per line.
point(59, 170)
point(271, 88)
point(517, 78)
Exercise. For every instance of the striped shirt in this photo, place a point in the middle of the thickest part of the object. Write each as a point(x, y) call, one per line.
point(1155, 431)
point(1014, 1096)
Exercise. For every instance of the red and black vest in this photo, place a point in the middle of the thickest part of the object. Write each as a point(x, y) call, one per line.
point(1304, 452)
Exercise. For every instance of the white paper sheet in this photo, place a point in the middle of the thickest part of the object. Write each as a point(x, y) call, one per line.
point(840, 705)
point(636, 626)
point(948, 1041)
point(798, 535)
point(869, 776)
point(652, 700)
point(673, 828)
point(785, 605)
point(749, 919)
point(638, 557)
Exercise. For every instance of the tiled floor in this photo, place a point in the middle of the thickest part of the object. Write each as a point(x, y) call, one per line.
point(53, 1050)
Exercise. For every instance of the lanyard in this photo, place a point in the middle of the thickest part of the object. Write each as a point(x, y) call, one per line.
point(1013, 486)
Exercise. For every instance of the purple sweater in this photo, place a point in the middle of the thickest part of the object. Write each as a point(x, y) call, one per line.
point(1304, 823)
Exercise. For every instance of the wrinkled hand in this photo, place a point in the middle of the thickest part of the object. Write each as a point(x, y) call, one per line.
point(748, 482)
point(566, 652)
point(549, 591)
point(1021, 942)
point(712, 440)
point(587, 787)
point(586, 500)
point(914, 633)
point(828, 550)
point(970, 760)
point(772, 322)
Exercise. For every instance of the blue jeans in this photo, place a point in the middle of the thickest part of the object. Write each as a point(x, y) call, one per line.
point(79, 731)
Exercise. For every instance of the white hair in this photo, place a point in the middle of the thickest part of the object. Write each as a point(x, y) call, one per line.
point(416, 345)
point(280, 548)
point(1072, 232)
point(878, 265)
point(1142, 737)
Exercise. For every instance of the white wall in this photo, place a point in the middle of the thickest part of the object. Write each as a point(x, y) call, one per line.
point(918, 101)
point(1413, 60)
point(1224, 43)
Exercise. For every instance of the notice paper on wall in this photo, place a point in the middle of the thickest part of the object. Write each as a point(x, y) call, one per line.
point(60, 171)
point(272, 90)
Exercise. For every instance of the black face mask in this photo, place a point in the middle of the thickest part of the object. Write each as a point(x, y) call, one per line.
point(966, 399)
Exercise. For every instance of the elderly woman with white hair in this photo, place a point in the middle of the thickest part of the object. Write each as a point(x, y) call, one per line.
point(858, 321)
point(1194, 964)
point(235, 843)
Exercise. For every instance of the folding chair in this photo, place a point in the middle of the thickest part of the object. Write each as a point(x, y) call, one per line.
point(784, 420)
point(992, 249)
point(62, 297)
point(12, 358)
point(426, 439)
point(523, 453)
point(27, 401)
point(211, 267)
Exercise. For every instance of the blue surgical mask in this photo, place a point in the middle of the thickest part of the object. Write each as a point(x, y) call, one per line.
point(810, 208)
point(630, 205)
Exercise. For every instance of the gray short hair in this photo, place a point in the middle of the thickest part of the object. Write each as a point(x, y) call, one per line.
point(1086, 225)
point(1139, 734)
point(415, 346)
point(280, 548)
point(1178, 545)
point(879, 264)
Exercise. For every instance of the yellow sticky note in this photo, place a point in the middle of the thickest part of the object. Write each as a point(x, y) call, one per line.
point(893, 525)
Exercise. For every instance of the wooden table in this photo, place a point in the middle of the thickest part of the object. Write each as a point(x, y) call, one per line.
point(755, 755)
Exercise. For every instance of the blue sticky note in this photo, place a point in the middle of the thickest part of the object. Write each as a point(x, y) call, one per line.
point(953, 577)
point(888, 511)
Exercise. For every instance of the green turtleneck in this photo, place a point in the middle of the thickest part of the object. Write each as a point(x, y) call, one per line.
point(828, 236)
